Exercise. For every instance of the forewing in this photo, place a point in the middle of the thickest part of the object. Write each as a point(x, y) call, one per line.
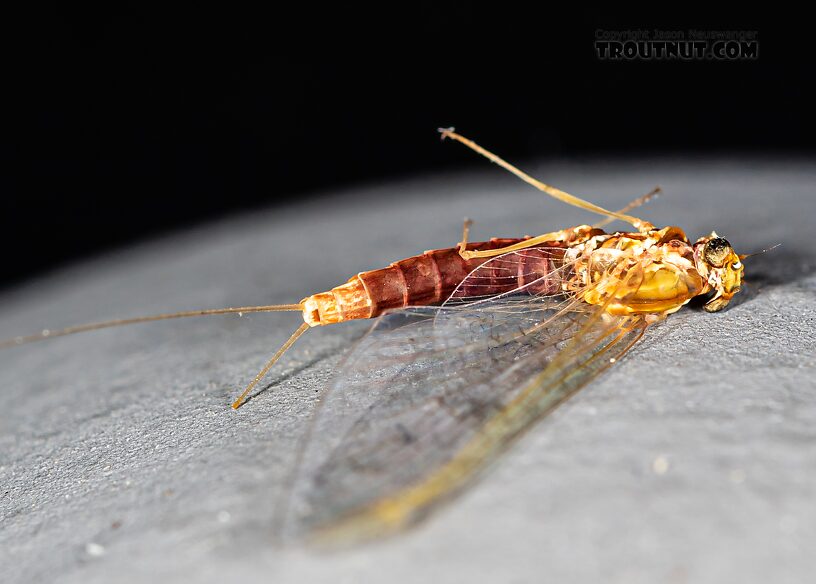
point(536, 271)
point(430, 395)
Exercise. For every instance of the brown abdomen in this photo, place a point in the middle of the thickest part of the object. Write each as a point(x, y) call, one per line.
point(422, 280)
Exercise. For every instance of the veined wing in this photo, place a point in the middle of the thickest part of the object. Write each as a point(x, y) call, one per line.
point(430, 395)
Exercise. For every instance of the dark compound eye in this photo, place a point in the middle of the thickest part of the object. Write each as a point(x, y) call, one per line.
point(716, 251)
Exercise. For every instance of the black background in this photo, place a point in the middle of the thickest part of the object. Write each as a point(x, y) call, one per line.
point(126, 122)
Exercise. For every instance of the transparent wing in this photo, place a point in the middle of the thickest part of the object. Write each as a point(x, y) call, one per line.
point(430, 395)
point(538, 271)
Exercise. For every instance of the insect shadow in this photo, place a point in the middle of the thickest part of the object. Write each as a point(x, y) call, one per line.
point(293, 372)
point(315, 359)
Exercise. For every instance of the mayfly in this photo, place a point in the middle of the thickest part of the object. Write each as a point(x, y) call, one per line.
point(473, 344)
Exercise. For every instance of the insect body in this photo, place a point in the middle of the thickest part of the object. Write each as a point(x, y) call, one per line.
point(422, 280)
point(475, 343)
point(671, 272)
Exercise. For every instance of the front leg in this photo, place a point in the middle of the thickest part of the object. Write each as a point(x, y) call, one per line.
point(573, 235)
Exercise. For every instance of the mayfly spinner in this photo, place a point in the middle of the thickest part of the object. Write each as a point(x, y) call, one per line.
point(475, 343)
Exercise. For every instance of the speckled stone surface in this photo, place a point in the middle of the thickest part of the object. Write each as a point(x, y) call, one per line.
point(692, 460)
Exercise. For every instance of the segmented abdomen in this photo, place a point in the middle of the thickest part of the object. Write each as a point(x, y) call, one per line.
point(423, 280)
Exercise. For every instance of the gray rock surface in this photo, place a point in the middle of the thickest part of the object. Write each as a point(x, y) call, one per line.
point(692, 460)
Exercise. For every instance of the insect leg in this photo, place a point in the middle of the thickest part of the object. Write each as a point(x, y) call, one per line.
point(262, 373)
point(633, 204)
point(465, 231)
point(533, 241)
point(562, 196)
